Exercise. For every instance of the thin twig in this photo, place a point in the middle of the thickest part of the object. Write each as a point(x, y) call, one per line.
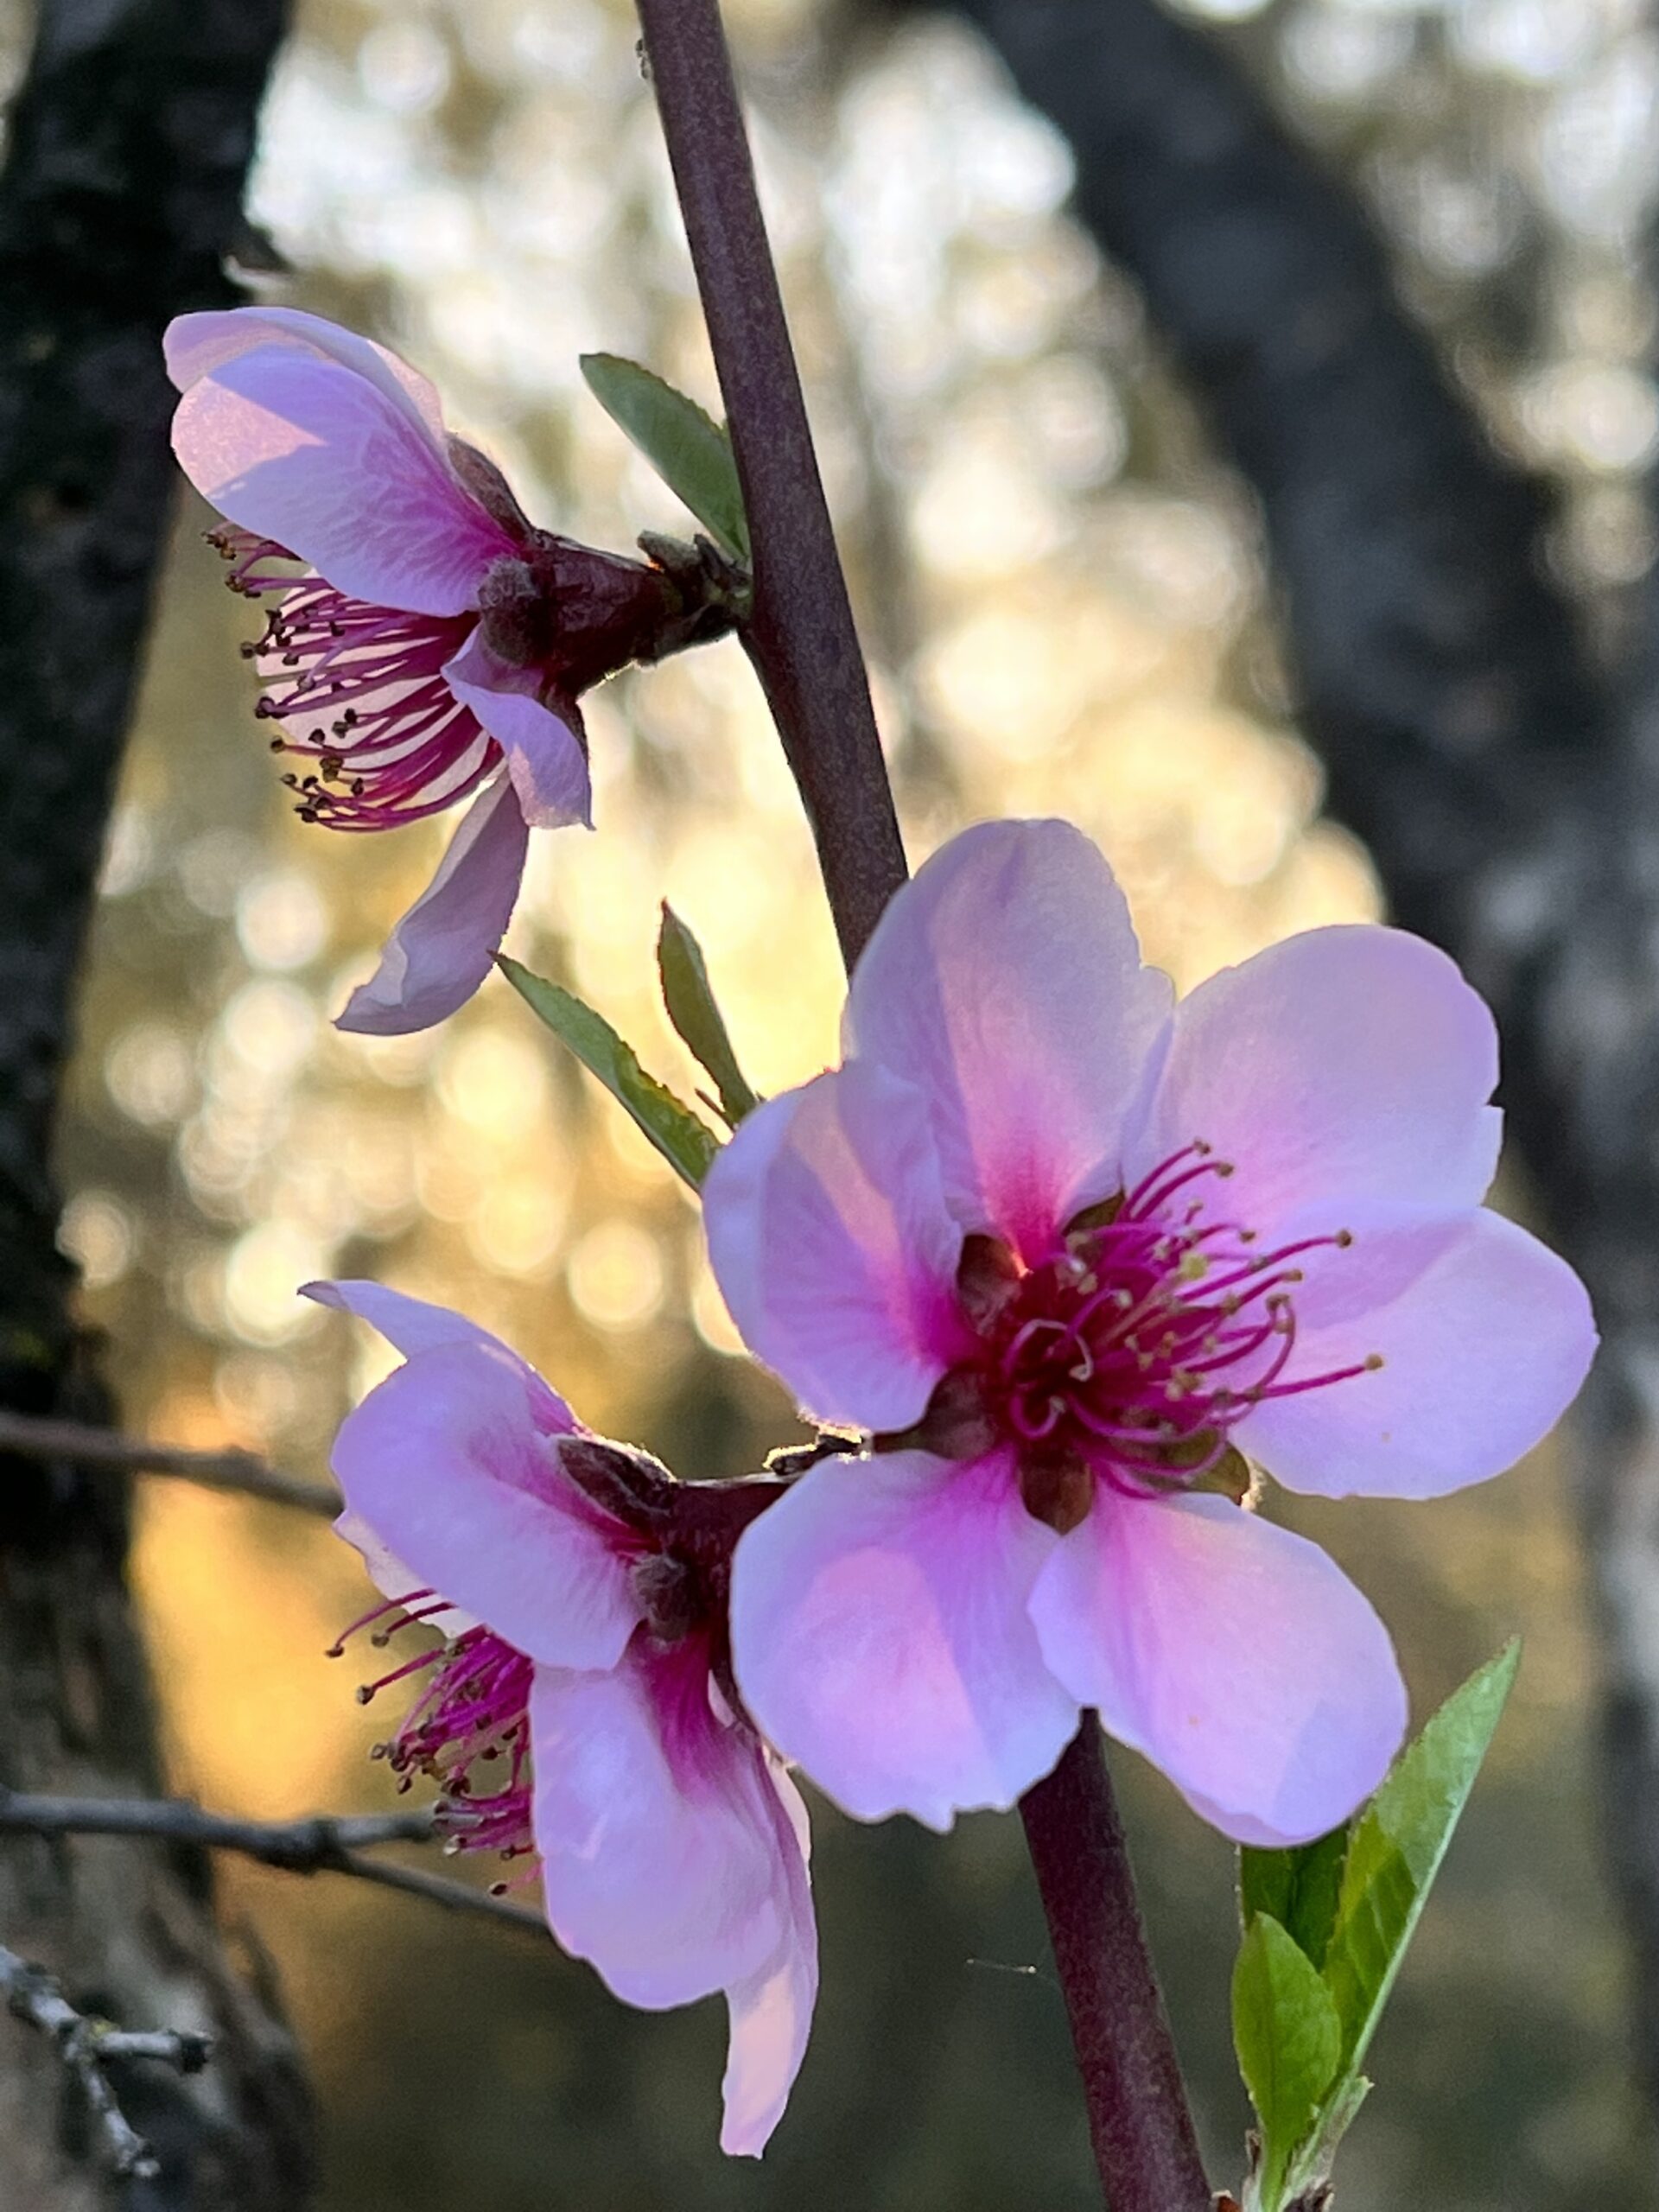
point(86, 2045)
point(33, 1438)
point(322, 1843)
point(800, 635)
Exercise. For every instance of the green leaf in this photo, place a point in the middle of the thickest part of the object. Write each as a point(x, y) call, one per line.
point(690, 453)
point(1299, 1886)
point(1289, 2043)
point(1398, 1843)
point(685, 1140)
point(691, 1008)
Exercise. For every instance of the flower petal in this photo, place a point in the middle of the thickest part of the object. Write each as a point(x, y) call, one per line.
point(452, 1461)
point(772, 2011)
point(546, 758)
point(393, 1579)
point(196, 345)
point(880, 1638)
point(832, 1246)
point(442, 949)
point(1345, 1064)
point(412, 1324)
point(318, 457)
point(1006, 983)
point(1235, 1656)
point(1484, 1336)
point(660, 1851)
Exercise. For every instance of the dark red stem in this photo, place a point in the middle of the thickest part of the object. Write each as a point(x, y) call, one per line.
point(800, 636)
point(802, 640)
point(1139, 2123)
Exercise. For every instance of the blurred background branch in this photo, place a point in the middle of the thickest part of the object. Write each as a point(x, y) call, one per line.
point(320, 1843)
point(86, 2047)
point(120, 202)
point(26, 1436)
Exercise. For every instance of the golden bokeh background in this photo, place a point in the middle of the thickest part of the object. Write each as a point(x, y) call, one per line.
point(1061, 590)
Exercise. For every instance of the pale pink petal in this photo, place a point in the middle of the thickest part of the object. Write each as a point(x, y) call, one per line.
point(412, 1324)
point(302, 450)
point(393, 1579)
point(660, 1853)
point(1346, 1064)
point(452, 1461)
point(1237, 1657)
point(833, 1248)
point(772, 2010)
point(444, 946)
point(1006, 983)
point(1484, 1336)
point(880, 1636)
point(546, 758)
point(196, 345)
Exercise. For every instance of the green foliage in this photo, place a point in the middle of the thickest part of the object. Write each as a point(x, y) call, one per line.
point(1288, 2037)
point(685, 1140)
point(1326, 1925)
point(690, 453)
point(1300, 1887)
point(691, 1008)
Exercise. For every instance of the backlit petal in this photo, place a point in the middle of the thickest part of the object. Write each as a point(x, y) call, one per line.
point(880, 1636)
point(1236, 1656)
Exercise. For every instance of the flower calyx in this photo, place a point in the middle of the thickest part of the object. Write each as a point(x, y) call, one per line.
point(579, 614)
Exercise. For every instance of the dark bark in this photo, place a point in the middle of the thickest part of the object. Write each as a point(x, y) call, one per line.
point(119, 202)
point(1466, 735)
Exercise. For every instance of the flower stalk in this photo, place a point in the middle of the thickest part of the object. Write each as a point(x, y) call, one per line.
point(801, 638)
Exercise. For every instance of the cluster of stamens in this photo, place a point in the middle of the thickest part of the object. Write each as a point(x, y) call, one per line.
point(1134, 1352)
point(469, 1729)
point(358, 696)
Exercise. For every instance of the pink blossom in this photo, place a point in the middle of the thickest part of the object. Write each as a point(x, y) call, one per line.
point(1071, 1253)
point(434, 648)
point(582, 1704)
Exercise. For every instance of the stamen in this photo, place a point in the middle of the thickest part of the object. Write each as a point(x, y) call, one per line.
point(389, 741)
point(337, 1648)
point(1151, 1333)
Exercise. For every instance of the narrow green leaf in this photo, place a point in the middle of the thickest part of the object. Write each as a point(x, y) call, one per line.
point(1289, 2043)
point(1299, 1886)
point(1395, 1849)
point(691, 1008)
point(1398, 1843)
point(685, 1140)
point(690, 452)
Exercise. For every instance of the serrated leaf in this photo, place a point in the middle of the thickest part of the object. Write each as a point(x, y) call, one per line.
point(1288, 2037)
point(690, 451)
point(1396, 1847)
point(691, 1006)
point(685, 1140)
point(1398, 1843)
point(1298, 1885)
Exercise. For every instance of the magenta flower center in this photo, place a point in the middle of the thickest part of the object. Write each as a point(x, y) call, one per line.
point(1133, 1352)
point(357, 696)
point(469, 1729)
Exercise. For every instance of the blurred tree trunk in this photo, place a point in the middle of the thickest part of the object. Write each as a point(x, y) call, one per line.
point(1510, 805)
point(119, 202)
